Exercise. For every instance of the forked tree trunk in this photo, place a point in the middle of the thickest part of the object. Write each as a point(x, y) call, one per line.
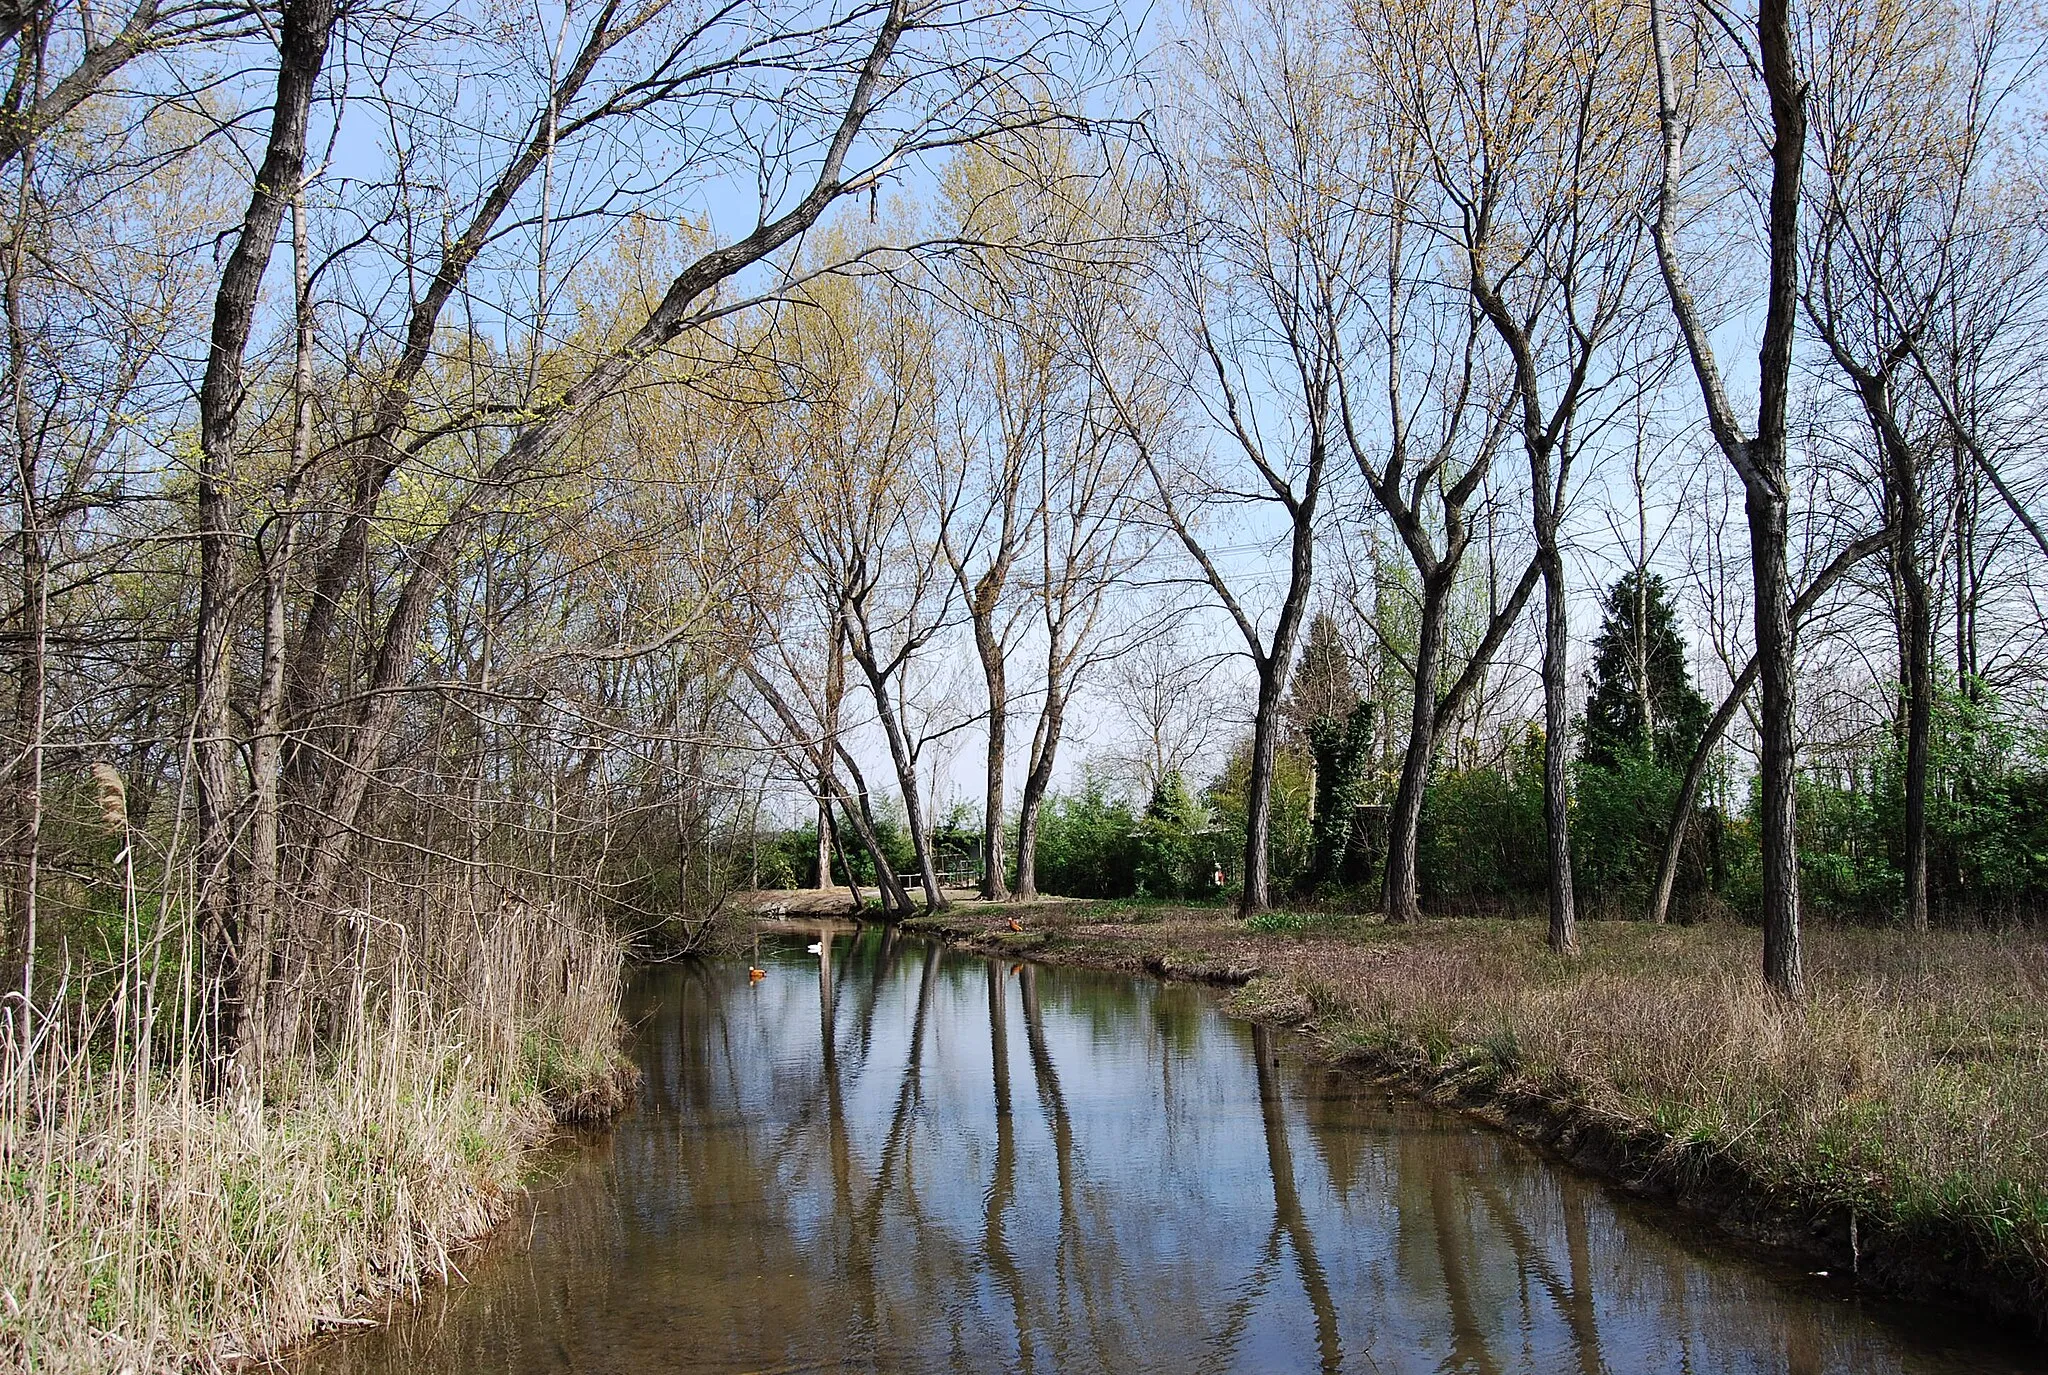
point(1759, 460)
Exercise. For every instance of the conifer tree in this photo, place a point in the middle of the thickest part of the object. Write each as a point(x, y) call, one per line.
point(1641, 698)
point(1324, 685)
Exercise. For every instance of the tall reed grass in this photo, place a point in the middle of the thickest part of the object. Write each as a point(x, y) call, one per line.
point(148, 1224)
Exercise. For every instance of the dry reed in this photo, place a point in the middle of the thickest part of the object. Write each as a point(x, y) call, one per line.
point(146, 1225)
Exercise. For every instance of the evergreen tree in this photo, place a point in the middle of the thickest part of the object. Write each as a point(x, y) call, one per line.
point(1324, 685)
point(1641, 698)
point(1168, 865)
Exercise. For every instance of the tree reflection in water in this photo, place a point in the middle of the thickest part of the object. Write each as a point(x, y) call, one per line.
point(840, 1168)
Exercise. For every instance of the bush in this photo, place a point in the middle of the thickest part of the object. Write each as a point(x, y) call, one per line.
point(1290, 839)
point(1482, 831)
point(1172, 859)
point(1619, 811)
point(1087, 845)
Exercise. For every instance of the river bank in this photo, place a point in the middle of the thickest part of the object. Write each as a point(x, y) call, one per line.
point(149, 1225)
point(1895, 1132)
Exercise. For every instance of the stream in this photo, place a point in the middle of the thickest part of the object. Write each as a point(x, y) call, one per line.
point(885, 1156)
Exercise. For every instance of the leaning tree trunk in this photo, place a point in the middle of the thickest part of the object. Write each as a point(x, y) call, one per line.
point(904, 762)
point(913, 802)
point(1659, 906)
point(860, 815)
point(1696, 768)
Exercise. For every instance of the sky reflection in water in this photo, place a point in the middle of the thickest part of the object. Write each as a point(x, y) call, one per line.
point(988, 1167)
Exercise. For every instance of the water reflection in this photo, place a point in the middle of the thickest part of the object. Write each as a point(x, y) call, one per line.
point(855, 1164)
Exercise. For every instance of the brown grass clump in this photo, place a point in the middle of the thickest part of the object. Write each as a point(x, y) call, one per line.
point(147, 1225)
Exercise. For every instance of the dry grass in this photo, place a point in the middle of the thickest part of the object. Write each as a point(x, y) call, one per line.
point(1912, 1090)
point(145, 1225)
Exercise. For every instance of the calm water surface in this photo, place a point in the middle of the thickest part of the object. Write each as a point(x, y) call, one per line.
point(888, 1157)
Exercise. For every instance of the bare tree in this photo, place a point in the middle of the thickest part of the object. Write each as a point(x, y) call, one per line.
point(307, 28)
point(1256, 276)
point(1162, 689)
point(1905, 104)
point(1758, 456)
point(1529, 120)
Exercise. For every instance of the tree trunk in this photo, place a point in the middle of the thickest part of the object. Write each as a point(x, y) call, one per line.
point(994, 880)
point(1918, 675)
point(1758, 461)
point(25, 790)
point(831, 833)
point(1256, 894)
point(1659, 907)
point(25, 794)
point(1275, 665)
point(266, 745)
point(1045, 743)
point(835, 692)
point(906, 776)
point(1778, 813)
point(302, 50)
point(1768, 499)
point(1564, 928)
point(260, 893)
point(1696, 767)
point(1404, 821)
point(860, 815)
point(334, 828)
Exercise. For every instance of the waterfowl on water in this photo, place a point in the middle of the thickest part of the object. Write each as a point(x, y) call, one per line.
point(755, 975)
point(815, 948)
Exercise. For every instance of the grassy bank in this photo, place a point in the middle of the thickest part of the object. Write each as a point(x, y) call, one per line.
point(1898, 1126)
point(146, 1225)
